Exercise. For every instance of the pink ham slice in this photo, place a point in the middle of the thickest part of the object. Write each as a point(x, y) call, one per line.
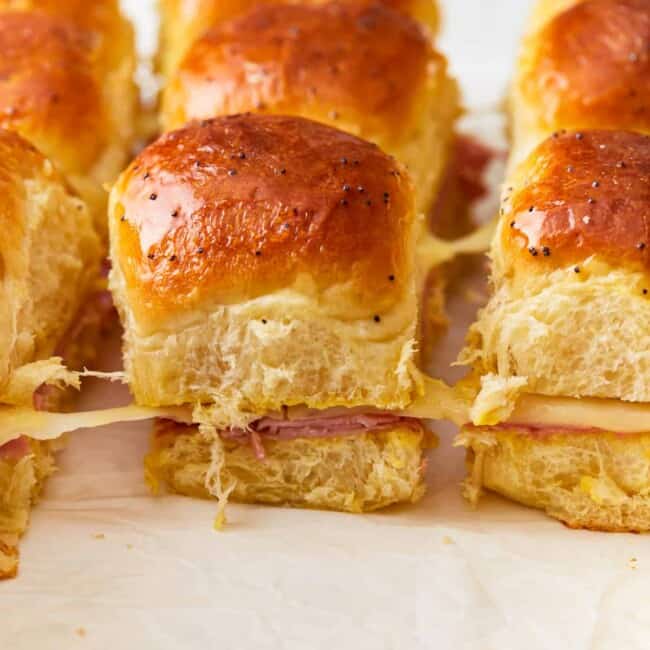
point(15, 450)
point(316, 427)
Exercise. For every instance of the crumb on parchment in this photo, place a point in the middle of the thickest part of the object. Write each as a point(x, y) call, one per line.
point(80, 632)
point(99, 536)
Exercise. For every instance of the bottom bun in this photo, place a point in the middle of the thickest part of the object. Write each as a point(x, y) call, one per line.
point(594, 480)
point(21, 483)
point(355, 473)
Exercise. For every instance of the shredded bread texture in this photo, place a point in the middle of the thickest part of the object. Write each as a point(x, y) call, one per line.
point(356, 473)
point(598, 481)
point(567, 333)
point(23, 381)
point(21, 483)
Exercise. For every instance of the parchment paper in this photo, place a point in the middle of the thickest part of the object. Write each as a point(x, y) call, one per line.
point(105, 566)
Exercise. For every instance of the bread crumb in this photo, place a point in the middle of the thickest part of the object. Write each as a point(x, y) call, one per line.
point(447, 540)
point(129, 546)
point(99, 536)
point(80, 632)
point(633, 563)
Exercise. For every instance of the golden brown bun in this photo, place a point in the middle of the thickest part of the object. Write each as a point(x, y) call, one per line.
point(113, 33)
point(587, 480)
point(604, 175)
point(247, 250)
point(49, 255)
point(571, 305)
point(182, 22)
point(59, 92)
point(21, 483)
point(266, 199)
point(587, 67)
point(355, 474)
point(361, 67)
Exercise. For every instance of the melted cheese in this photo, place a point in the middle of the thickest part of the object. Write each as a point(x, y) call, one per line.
point(540, 411)
point(42, 425)
point(586, 413)
point(432, 251)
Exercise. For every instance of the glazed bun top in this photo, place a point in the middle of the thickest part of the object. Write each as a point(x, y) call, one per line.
point(589, 67)
point(359, 66)
point(230, 209)
point(579, 194)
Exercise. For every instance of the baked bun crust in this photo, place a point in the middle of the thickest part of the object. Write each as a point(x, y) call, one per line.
point(356, 473)
point(587, 67)
point(61, 88)
point(588, 191)
point(588, 480)
point(49, 255)
point(183, 22)
point(245, 246)
point(113, 33)
point(570, 309)
point(361, 67)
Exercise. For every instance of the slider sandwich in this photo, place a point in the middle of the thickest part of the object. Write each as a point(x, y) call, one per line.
point(562, 339)
point(264, 271)
point(561, 351)
point(183, 22)
point(65, 87)
point(49, 265)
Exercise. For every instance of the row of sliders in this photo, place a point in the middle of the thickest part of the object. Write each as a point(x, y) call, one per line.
point(561, 352)
point(268, 270)
point(67, 109)
point(274, 271)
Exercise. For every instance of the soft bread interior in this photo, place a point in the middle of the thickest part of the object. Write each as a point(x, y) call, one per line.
point(599, 481)
point(567, 333)
point(21, 483)
point(357, 473)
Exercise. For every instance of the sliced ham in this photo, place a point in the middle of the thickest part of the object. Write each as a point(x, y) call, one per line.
point(15, 450)
point(314, 427)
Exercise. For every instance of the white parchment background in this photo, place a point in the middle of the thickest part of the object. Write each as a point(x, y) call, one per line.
point(105, 566)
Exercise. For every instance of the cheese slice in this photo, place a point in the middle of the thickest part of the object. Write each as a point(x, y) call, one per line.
point(438, 402)
point(43, 425)
point(611, 415)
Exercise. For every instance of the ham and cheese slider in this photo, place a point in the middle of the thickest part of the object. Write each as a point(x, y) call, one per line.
point(263, 267)
point(49, 262)
point(184, 22)
point(562, 421)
